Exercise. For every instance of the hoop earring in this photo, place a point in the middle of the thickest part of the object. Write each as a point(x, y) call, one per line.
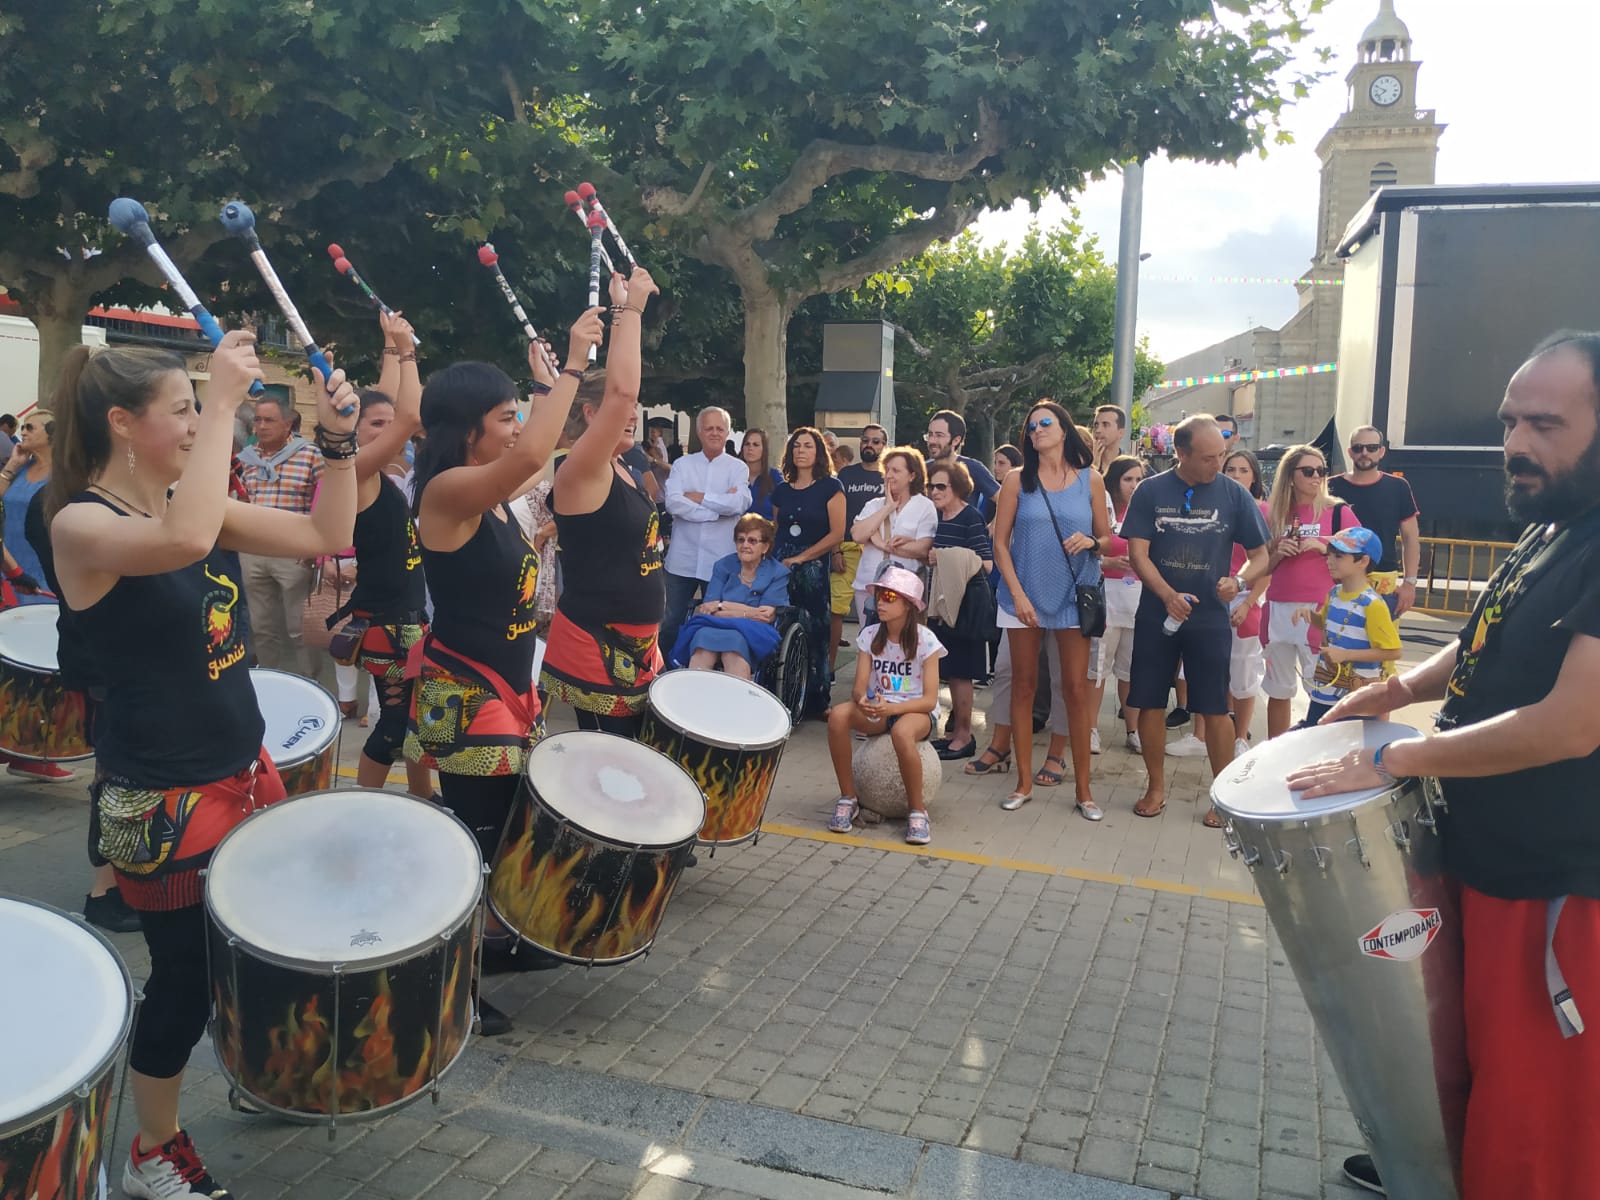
point(130, 459)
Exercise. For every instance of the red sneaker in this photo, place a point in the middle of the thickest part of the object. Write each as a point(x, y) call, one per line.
point(42, 772)
point(170, 1172)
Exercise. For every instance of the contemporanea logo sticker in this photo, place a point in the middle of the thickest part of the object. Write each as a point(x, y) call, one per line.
point(1404, 935)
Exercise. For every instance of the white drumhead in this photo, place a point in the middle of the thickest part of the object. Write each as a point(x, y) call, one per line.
point(28, 636)
point(720, 709)
point(301, 717)
point(616, 789)
point(344, 877)
point(63, 1008)
point(1253, 787)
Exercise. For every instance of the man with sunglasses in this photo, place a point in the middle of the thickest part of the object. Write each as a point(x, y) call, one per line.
point(1228, 427)
point(947, 434)
point(862, 481)
point(1384, 504)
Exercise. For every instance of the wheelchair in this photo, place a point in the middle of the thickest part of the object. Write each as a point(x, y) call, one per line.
point(784, 671)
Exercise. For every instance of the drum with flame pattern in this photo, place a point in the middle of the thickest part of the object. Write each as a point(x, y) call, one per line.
point(601, 831)
point(343, 936)
point(41, 720)
point(729, 734)
point(65, 1017)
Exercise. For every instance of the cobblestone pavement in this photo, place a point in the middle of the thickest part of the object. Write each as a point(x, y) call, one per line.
point(841, 1017)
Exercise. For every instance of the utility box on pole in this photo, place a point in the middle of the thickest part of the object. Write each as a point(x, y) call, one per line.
point(857, 378)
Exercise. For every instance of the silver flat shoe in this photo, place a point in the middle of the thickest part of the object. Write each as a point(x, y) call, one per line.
point(1015, 801)
point(1090, 811)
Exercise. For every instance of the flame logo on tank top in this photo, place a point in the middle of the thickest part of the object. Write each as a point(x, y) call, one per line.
point(413, 551)
point(223, 647)
point(522, 618)
point(652, 555)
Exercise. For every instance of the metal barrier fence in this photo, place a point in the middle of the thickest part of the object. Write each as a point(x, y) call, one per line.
point(1454, 572)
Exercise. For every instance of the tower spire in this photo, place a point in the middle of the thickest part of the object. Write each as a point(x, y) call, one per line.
point(1387, 39)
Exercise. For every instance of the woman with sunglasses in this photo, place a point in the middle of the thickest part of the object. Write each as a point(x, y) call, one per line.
point(1050, 528)
point(746, 590)
point(21, 479)
point(960, 528)
point(1302, 515)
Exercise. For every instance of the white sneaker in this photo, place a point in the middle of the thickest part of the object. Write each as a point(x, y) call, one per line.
point(1240, 747)
point(1188, 746)
point(170, 1172)
point(1133, 743)
point(1094, 741)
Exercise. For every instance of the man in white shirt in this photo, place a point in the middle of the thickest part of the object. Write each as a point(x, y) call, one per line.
point(707, 492)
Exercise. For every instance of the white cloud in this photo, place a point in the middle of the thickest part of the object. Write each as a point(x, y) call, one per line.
point(1514, 83)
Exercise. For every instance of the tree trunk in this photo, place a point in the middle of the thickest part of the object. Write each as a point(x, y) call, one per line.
point(766, 366)
point(59, 320)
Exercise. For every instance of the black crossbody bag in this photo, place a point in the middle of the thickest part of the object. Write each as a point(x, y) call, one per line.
point(1089, 597)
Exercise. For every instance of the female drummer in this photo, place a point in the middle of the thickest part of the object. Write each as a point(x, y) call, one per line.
point(603, 649)
point(178, 735)
point(474, 709)
point(389, 594)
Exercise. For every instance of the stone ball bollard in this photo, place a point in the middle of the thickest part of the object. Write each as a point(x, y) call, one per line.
point(879, 787)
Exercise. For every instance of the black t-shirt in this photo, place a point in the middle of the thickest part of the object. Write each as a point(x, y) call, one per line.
point(1192, 531)
point(1532, 834)
point(860, 485)
point(1382, 506)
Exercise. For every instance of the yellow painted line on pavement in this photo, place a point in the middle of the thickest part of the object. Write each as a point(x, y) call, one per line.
point(980, 860)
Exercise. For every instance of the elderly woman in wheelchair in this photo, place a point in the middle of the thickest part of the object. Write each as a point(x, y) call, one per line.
point(735, 627)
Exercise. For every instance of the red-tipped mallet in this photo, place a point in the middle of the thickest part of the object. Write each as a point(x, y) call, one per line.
point(488, 257)
point(575, 203)
point(587, 193)
point(597, 233)
point(342, 265)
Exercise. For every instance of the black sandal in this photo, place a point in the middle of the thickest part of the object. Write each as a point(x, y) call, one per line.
point(1000, 766)
point(1045, 777)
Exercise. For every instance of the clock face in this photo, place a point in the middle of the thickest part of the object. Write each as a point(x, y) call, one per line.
point(1385, 90)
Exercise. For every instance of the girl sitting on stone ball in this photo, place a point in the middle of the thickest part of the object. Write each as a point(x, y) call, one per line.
point(896, 692)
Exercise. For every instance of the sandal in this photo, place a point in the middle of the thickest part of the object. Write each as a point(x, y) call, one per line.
point(918, 830)
point(1212, 819)
point(1045, 777)
point(1138, 812)
point(845, 810)
point(983, 765)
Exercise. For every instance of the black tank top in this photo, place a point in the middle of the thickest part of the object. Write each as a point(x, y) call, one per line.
point(389, 580)
point(179, 706)
point(483, 597)
point(611, 561)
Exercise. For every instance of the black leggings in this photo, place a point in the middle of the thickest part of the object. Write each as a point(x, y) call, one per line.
point(177, 997)
point(483, 802)
point(388, 736)
point(627, 727)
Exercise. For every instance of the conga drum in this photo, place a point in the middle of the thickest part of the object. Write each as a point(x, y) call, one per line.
point(729, 734)
point(601, 830)
point(344, 929)
point(302, 729)
point(1354, 886)
point(66, 1010)
point(41, 720)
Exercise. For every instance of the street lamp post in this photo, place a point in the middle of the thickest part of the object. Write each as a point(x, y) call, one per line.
point(1128, 258)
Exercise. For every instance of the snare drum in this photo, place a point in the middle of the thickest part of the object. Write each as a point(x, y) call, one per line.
point(302, 729)
point(63, 1029)
point(41, 720)
point(600, 832)
point(1355, 889)
point(343, 933)
point(729, 734)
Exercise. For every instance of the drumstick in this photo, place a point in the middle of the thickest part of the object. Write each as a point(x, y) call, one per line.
point(344, 267)
point(129, 217)
point(488, 257)
point(597, 231)
point(586, 192)
point(238, 220)
point(575, 203)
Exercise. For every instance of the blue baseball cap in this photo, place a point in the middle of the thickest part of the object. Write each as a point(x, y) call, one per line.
point(1356, 541)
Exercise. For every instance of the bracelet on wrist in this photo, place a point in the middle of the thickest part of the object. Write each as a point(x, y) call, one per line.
point(409, 357)
point(574, 372)
point(540, 389)
point(335, 446)
point(390, 350)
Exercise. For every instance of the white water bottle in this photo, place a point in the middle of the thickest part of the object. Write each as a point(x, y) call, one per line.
point(1171, 624)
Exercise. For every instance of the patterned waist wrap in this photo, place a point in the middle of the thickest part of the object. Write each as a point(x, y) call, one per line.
point(465, 717)
point(385, 649)
point(607, 670)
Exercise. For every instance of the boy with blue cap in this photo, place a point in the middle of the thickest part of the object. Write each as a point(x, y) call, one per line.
point(1359, 636)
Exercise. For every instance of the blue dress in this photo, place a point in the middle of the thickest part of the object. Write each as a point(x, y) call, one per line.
point(771, 587)
point(762, 505)
point(1037, 555)
point(16, 500)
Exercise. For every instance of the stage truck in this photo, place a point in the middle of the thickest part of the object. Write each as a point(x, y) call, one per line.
point(1446, 290)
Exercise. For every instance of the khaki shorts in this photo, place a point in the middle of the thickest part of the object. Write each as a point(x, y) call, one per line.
point(841, 596)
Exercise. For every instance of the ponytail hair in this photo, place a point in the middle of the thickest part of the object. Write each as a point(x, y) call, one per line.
point(92, 383)
point(454, 404)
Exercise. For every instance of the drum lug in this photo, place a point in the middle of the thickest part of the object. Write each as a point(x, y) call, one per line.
point(1280, 859)
point(1359, 845)
point(1230, 840)
point(1400, 831)
point(1322, 856)
point(1251, 856)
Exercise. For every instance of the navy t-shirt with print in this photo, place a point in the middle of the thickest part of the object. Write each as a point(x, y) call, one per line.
point(1192, 529)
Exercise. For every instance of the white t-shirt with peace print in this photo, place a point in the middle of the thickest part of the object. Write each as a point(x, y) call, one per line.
point(895, 679)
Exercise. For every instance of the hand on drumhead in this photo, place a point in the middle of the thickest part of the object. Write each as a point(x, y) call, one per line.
point(1352, 772)
point(1375, 700)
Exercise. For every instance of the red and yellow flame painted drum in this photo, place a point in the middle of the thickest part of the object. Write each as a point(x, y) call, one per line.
point(65, 1016)
point(601, 831)
point(729, 734)
point(344, 929)
point(302, 729)
point(40, 718)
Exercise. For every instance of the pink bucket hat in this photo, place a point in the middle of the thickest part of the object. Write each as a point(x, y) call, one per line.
point(898, 579)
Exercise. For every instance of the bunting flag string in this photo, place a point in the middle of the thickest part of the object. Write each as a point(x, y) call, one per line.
point(1240, 279)
point(1246, 376)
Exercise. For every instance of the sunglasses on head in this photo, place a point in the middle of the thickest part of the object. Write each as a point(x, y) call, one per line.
point(1365, 447)
point(1313, 472)
point(889, 596)
point(1188, 500)
point(1041, 423)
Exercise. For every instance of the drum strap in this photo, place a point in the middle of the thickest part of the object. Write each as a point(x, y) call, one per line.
point(1560, 994)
